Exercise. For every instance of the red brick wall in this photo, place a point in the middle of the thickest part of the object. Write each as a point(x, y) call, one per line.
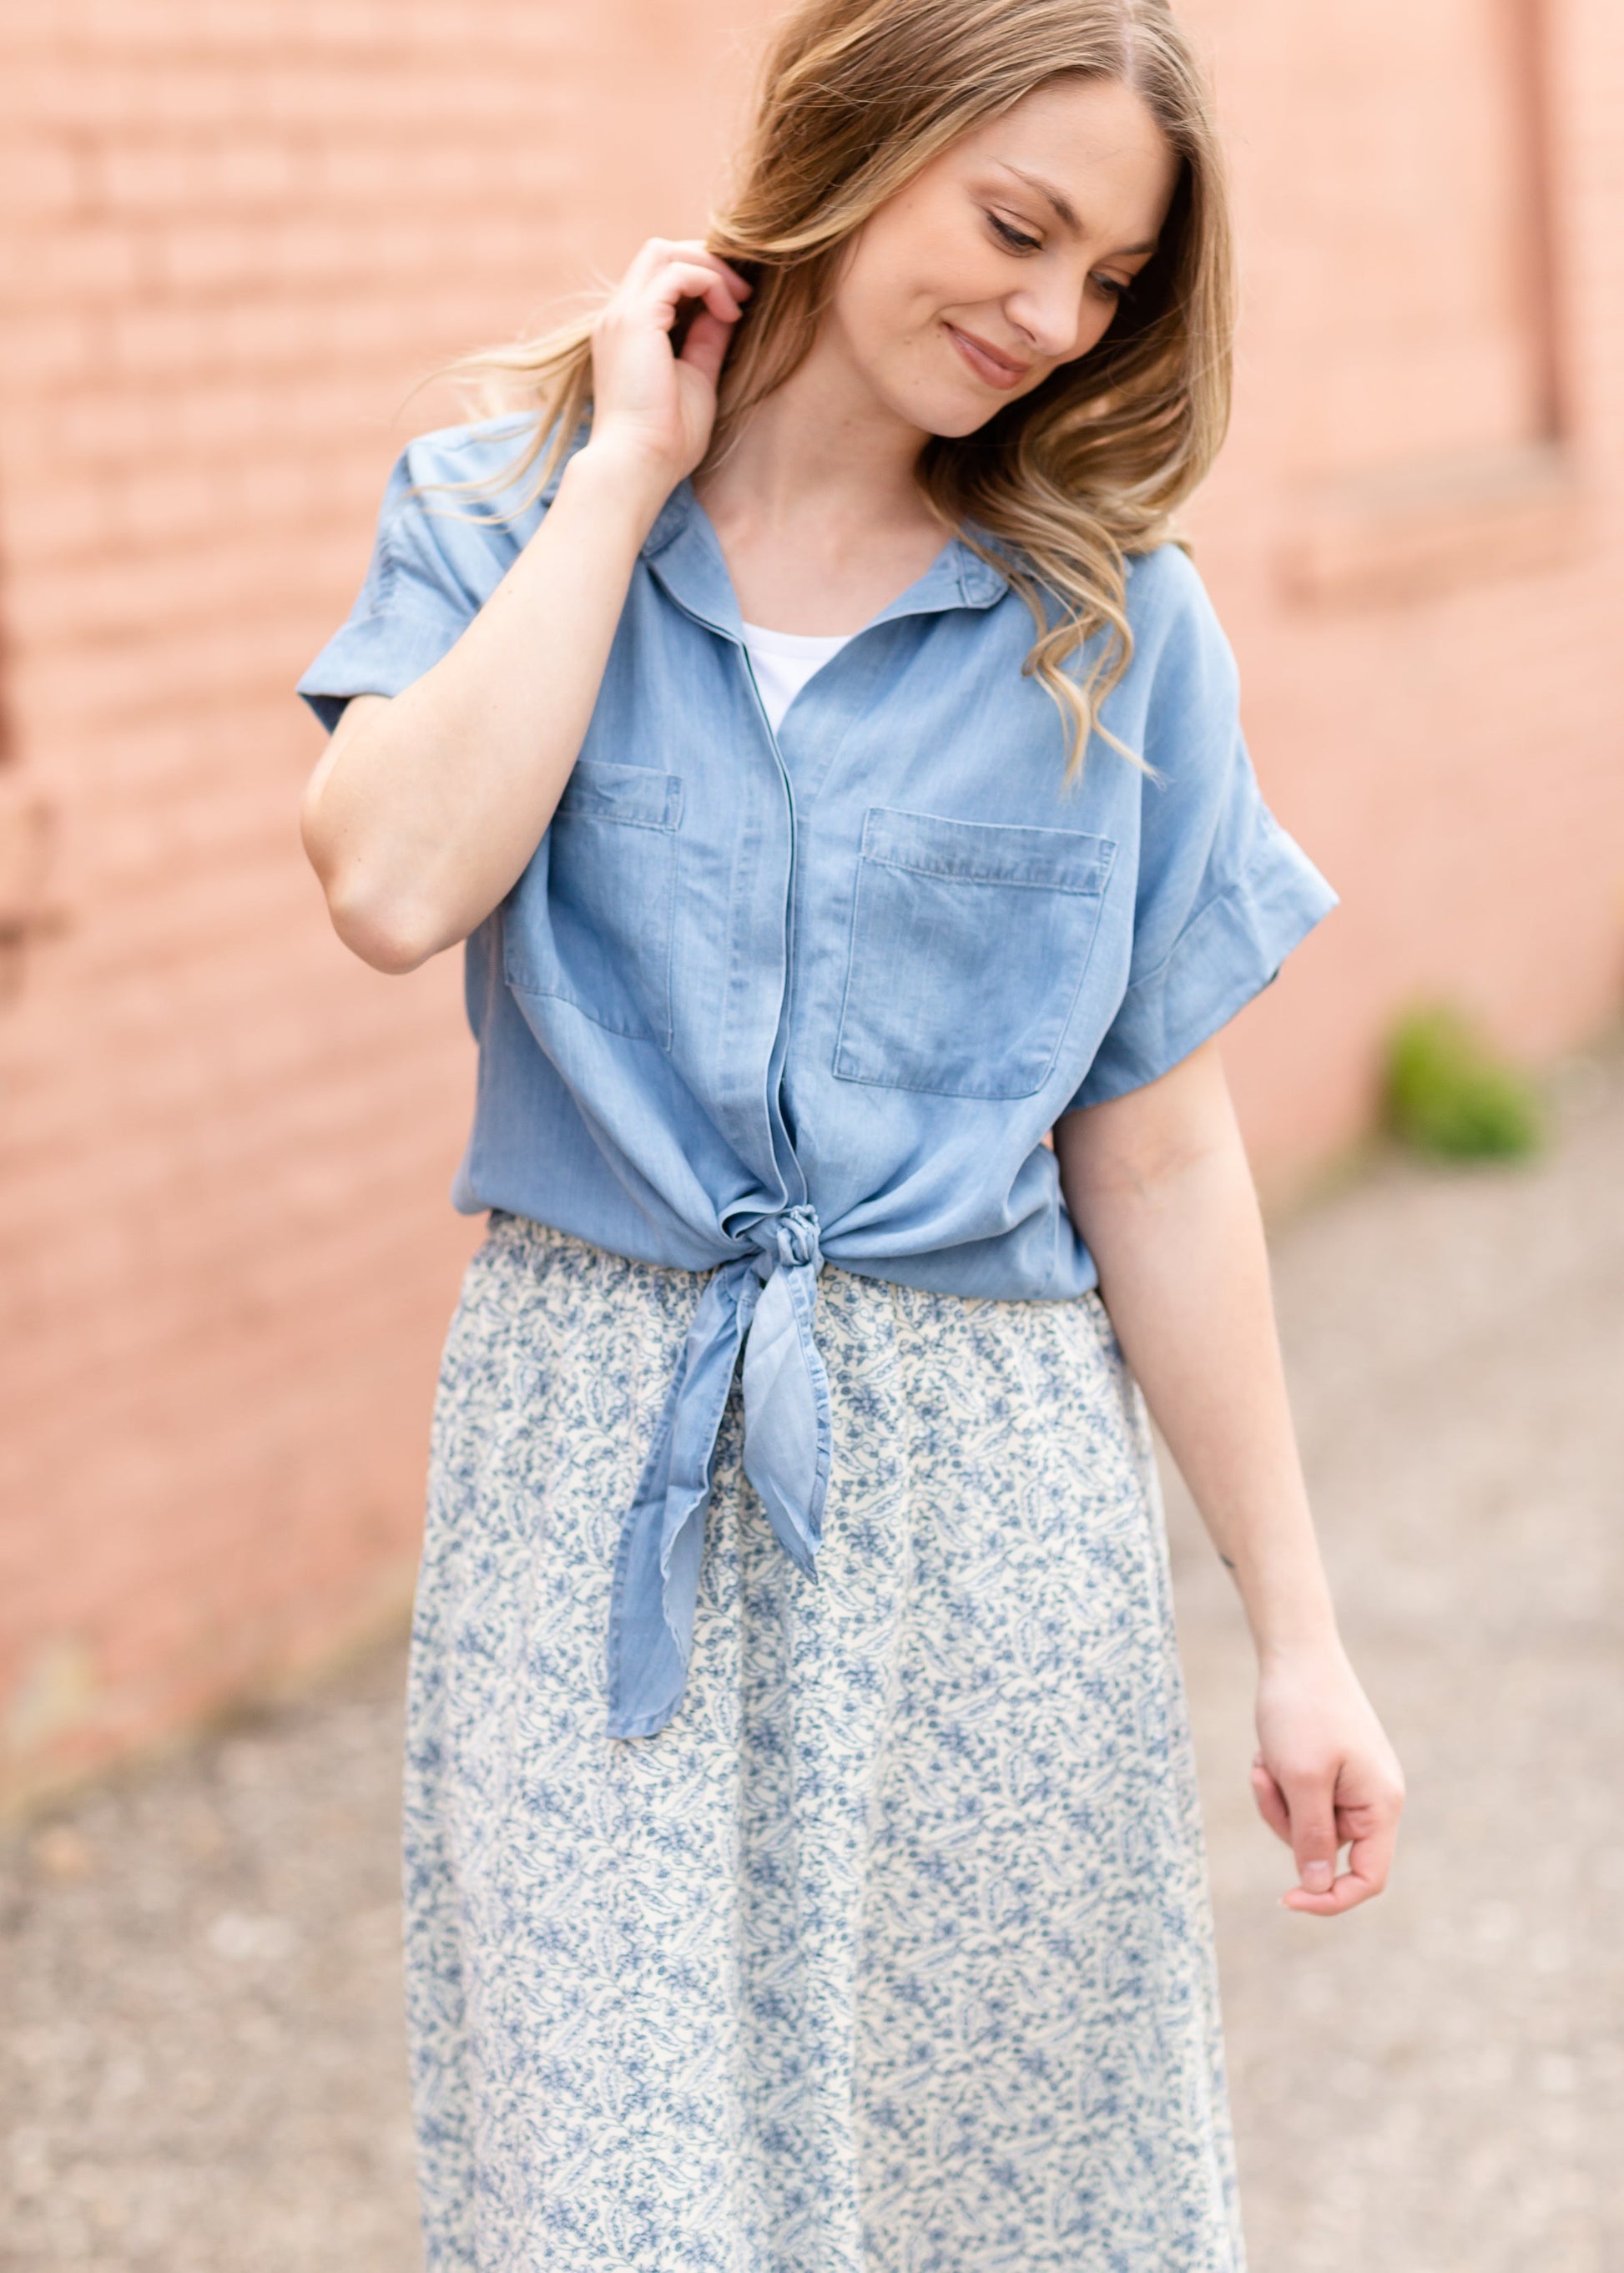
point(1425, 589)
point(232, 236)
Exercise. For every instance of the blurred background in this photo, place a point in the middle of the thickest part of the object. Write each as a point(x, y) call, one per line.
point(234, 234)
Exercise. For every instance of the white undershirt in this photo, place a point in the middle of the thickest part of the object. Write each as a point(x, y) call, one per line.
point(784, 661)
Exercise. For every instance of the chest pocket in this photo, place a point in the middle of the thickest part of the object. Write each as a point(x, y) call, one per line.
point(591, 920)
point(969, 942)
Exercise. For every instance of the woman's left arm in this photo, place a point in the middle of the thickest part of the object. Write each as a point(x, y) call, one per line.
point(1158, 1185)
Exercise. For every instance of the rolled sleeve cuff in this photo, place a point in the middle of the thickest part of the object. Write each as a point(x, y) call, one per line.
point(374, 654)
point(1225, 955)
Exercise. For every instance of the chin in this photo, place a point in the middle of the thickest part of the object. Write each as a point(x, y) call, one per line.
point(952, 404)
point(970, 421)
point(949, 412)
point(952, 422)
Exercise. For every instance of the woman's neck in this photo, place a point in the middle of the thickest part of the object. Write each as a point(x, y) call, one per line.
point(815, 505)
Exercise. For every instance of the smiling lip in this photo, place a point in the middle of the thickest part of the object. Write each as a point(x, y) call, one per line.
point(995, 370)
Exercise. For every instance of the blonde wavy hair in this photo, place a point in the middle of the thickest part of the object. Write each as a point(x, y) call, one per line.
point(1056, 490)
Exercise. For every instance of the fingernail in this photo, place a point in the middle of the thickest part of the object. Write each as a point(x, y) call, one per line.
point(1317, 1878)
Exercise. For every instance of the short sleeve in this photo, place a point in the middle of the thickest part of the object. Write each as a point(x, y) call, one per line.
point(1223, 894)
point(439, 552)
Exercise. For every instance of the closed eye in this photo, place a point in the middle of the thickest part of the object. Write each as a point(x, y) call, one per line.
point(1017, 240)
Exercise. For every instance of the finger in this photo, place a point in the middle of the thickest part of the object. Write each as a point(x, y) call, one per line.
point(1311, 1799)
point(706, 346)
point(656, 302)
point(1271, 1801)
point(1370, 1862)
point(1346, 1893)
point(645, 260)
point(686, 279)
point(654, 251)
point(653, 255)
point(696, 244)
point(1371, 1829)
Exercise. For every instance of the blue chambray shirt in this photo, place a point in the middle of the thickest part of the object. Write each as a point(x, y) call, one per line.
point(762, 1001)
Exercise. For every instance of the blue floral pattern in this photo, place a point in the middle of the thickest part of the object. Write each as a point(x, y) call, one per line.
point(892, 1952)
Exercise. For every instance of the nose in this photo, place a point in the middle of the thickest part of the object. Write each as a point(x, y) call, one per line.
point(1050, 310)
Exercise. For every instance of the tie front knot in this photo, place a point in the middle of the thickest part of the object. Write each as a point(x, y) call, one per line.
point(788, 1241)
point(758, 1313)
point(797, 1230)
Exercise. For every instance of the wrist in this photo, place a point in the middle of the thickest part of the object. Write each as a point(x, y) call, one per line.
point(1288, 1609)
point(1309, 1636)
point(622, 478)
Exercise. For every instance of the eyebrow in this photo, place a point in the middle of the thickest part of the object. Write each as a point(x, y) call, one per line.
point(1064, 206)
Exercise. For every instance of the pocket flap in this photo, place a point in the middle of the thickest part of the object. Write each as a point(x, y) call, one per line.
point(599, 791)
point(986, 851)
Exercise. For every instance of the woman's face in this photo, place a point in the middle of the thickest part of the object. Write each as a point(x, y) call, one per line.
point(1005, 255)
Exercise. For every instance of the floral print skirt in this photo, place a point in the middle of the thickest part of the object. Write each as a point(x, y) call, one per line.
point(892, 1952)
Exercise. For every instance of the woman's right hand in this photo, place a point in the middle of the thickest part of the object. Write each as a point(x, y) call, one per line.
point(657, 406)
point(428, 806)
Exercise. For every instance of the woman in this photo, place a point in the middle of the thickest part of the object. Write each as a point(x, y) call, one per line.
point(839, 789)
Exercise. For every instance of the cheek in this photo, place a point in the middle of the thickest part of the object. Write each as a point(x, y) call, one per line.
point(911, 265)
point(884, 307)
point(1092, 324)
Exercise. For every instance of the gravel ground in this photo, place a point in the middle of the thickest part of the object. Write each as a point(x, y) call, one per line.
point(202, 2052)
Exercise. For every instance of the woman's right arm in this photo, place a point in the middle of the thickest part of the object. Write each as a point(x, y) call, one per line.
point(427, 806)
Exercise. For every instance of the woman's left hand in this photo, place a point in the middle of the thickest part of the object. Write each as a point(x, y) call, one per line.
point(1325, 1777)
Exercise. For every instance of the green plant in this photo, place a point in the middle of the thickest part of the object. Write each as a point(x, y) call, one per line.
point(1450, 1095)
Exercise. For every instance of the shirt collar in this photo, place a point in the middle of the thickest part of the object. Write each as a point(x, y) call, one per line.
point(683, 550)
